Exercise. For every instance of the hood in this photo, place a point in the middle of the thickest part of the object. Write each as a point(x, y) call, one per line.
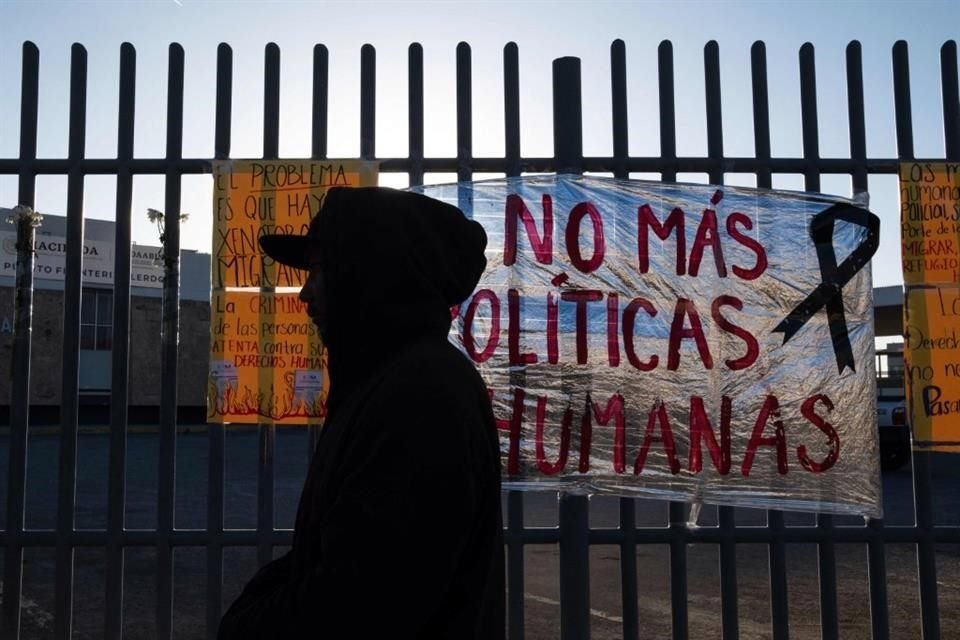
point(394, 263)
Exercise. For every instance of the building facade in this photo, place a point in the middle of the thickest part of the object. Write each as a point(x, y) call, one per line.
point(96, 328)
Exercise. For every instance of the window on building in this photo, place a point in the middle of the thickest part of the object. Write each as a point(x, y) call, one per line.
point(96, 319)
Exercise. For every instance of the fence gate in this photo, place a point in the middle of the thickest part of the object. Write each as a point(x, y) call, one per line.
point(574, 534)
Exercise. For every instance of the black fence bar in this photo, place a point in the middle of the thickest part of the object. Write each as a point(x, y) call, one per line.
point(415, 113)
point(628, 571)
point(926, 559)
point(368, 102)
point(70, 380)
point(120, 366)
point(464, 126)
point(515, 527)
point(827, 563)
point(628, 521)
point(23, 311)
point(776, 552)
point(877, 575)
point(728, 573)
point(574, 567)
point(169, 339)
point(677, 513)
point(567, 116)
point(950, 90)
point(711, 76)
point(537, 535)
point(876, 553)
point(808, 118)
point(951, 99)
point(855, 113)
point(511, 109)
point(318, 124)
point(215, 488)
point(29, 101)
point(464, 114)
point(826, 553)
point(573, 509)
point(265, 484)
point(224, 102)
point(678, 570)
point(758, 535)
point(267, 431)
point(779, 608)
point(216, 435)
point(515, 588)
point(649, 164)
point(901, 101)
point(668, 121)
point(728, 547)
point(271, 101)
point(618, 102)
point(318, 135)
point(20, 363)
point(761, 112)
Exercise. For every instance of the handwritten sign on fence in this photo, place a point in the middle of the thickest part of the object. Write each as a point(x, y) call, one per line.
point(678, 341)
point(930, 232)
point(267, 364)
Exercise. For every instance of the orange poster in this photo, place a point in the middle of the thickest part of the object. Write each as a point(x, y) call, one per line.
point(267, 364)
point(930, 222)
point(930, 232)
point(932, 351)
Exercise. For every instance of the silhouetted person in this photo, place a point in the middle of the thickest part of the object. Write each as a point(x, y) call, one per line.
point(398, 533)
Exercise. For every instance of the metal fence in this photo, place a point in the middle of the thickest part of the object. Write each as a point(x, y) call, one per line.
point(574, 534)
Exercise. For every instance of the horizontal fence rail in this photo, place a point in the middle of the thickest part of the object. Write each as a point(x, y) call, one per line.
point(573, 535)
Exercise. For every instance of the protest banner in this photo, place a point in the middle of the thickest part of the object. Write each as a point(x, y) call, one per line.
point(267, 364)
point(930, 233)
point(682, 342)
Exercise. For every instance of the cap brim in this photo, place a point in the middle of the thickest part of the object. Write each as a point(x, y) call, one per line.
point(286, 249)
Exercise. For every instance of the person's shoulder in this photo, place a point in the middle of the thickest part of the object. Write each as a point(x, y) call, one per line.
point(435, 395)
point(437, 378)
point(435, 362)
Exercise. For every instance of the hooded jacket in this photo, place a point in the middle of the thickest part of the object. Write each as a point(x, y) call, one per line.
point(398, 532)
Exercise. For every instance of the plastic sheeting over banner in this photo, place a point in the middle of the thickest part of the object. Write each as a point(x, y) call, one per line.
point(684, 342)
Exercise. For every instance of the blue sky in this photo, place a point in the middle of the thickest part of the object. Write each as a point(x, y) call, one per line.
point(543, 32)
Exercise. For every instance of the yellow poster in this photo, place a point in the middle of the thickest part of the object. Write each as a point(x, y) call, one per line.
point(267, 364)
point(252, 198)
point(930, 222)
point(930, 233)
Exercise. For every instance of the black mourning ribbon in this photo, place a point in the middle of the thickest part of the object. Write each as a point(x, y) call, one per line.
point(829, 293)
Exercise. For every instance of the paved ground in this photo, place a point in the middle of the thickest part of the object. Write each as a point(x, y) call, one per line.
point(541, 563)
